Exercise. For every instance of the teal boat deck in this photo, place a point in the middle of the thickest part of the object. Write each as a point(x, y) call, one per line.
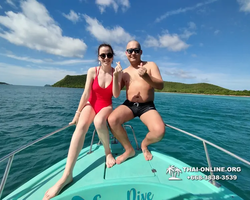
point(135, 179)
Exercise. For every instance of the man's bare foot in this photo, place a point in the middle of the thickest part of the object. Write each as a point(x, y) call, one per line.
point(110, 161)
point(56, 189)
point(127, 154)
point(147, 154)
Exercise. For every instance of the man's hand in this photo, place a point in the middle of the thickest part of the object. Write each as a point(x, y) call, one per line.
point(118, 69)
point(142, 70)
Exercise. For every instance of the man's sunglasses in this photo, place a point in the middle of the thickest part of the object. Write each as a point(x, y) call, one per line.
point(130, 51)
point(103, 55)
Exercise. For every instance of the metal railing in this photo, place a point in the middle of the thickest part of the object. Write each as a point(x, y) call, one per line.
point(11, 155)
point(137, 146)
point(114, 139)
point(206, 151)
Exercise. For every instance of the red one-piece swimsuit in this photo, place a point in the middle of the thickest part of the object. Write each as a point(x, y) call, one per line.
point(100, 97)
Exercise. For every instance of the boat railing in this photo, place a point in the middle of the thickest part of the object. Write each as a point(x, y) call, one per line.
point(205, 142)
point(10, 156)
point(114, 141)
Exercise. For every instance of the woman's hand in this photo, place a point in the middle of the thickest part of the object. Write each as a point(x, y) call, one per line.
point(118, 69)
point(75, 119)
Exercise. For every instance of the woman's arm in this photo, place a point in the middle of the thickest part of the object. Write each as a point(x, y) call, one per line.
point(85, 95)
point(117, 75)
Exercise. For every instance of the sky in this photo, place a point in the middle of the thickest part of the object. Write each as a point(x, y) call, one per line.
point(205, 41)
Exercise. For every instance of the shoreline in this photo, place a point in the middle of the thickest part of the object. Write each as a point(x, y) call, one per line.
point(207, 94)
point(155, 91)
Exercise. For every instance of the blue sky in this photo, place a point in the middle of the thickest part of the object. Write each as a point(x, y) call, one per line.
point(191, 41)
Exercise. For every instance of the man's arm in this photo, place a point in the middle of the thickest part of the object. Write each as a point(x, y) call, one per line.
point(155, 79)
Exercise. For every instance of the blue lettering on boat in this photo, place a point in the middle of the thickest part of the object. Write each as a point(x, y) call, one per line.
point(133, 195)
point(96, 197)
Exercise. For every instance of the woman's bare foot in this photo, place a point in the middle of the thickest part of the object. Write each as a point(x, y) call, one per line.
point(127, 154)
point(110, 161)
point(147, 154)
point(56, 189)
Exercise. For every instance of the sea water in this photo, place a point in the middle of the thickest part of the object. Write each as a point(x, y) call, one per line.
point(28, 113)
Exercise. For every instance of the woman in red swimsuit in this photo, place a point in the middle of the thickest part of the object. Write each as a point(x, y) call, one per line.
point(95, 105)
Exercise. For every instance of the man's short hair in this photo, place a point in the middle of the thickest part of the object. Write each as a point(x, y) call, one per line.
point(139, 45)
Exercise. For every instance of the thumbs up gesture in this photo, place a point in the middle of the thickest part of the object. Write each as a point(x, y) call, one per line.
point(118, 69)
point(142, 70)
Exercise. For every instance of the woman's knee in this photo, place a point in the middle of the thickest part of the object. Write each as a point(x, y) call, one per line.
point(100, 123)
point(81, 129)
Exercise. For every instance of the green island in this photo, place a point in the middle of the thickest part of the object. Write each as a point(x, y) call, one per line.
point(78, 81)
point(3, 83)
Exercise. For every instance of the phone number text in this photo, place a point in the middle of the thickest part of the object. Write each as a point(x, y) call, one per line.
point(212, 177)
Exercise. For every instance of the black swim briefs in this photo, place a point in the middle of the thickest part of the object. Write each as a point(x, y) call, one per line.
point(139, 108)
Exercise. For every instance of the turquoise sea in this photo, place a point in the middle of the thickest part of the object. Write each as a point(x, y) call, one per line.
point(29, 112)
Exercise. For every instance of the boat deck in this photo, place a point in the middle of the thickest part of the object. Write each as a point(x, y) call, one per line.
point(135, 179)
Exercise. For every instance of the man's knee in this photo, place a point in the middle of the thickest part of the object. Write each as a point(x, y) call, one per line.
point(159, 131)
point(113, 120)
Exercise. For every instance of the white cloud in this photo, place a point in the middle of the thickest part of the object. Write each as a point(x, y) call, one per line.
point(193, 75)
point(102, 4)
point(216, 32)
point(116, 35)
point(35, 29)
point(179, 73)
point(187, 32)
point(192, 25)
point(37, 61)
point(183, 10)
point(18, 75)
point(48, 61)
point(244, 5)
point(152, 42)
point(0, 7)
point(72, 62)
point(124, 4)
point(171, 42)
point(72, 16)
point(121, 56)
point(10, 2)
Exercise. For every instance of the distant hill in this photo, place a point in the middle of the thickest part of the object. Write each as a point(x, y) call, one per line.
point(4, 83)
point(78, 81)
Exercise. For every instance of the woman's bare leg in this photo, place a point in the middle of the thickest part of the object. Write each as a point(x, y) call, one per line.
point(100, 122)
point(76, 144)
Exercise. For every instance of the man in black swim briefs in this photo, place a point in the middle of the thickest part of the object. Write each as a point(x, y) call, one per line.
point(140, 79)
point(139, 108)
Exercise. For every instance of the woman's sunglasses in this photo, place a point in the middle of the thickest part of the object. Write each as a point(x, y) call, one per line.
point(103, 55)
point(130, 51)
